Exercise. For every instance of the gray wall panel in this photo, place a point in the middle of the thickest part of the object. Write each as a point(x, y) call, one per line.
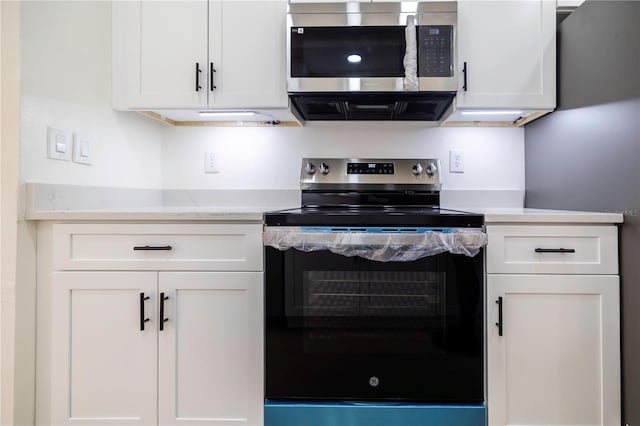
point(599, 54)
point(586, 155)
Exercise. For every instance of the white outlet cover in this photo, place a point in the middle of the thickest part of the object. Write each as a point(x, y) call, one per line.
point(456, 161)
point(82, 149)
point(210, 162)
point(58, 144)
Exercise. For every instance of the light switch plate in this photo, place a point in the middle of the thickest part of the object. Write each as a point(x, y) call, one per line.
point(82, 149)
point(58, 144)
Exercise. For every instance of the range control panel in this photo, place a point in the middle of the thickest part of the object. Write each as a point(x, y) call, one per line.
point(330, 173)
point(369, 168)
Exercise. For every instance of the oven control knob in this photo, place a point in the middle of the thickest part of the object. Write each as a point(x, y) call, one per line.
point(417, 169)
point(309, 168)
point(324, 168)
point(431, 169)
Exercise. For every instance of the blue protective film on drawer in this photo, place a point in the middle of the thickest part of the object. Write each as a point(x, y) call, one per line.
point(278, 413)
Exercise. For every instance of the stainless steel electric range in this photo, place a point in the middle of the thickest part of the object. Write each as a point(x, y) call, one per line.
point(373, 300)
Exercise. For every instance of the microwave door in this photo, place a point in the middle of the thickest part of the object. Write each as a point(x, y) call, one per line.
point(344, 52)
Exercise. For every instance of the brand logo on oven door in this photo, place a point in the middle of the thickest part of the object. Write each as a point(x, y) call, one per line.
point(374, 381)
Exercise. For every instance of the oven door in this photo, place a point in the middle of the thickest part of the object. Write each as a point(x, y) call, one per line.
point(348, 328)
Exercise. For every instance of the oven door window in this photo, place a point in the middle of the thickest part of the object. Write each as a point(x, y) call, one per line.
point(349, 328)
point(347, 51)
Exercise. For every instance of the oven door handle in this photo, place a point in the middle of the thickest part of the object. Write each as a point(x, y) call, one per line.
point(499, 323)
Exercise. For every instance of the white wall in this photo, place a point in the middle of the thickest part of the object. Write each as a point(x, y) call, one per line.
point(260, 158)
point(66, 83)
point(9, 149)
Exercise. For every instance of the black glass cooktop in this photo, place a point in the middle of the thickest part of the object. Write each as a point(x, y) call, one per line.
point(374, 216)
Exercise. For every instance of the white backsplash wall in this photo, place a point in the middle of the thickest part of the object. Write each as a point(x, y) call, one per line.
point(261, 158)
point(66, 83)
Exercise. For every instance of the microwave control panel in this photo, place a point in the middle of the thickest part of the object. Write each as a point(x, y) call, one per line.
point(435, 51)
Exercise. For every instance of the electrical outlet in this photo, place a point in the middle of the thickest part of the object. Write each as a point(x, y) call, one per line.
point(210, 162)
point(456, 161)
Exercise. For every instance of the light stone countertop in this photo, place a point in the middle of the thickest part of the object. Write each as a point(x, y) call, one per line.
point(82, 203)
point(544, 216)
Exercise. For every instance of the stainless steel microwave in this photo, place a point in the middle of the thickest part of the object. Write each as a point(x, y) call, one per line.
point(371, 47)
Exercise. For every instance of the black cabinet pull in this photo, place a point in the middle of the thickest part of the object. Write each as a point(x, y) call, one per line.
point(142, 315)
point(162, 318)
point(558, 250)
point(499, 323)
point(464, 77)
point(153, 248)
point(198, 71)
point(212, 71)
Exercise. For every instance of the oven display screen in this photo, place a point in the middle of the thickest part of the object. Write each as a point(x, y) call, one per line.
point(370, 168)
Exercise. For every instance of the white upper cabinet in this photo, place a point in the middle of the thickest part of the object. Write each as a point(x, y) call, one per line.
point(198, 54)
point(509, 48)
point(156, 47)
point(247, 50)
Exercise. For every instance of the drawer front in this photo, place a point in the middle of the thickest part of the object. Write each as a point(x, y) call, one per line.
point(556, 249)
point(193, 247)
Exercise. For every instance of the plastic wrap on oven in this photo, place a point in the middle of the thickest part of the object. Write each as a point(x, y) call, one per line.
point(381, 247)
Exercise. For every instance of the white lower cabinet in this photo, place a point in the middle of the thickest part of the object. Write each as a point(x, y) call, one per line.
point(210, 352)
point(557, 361)
point(553, 339)
point(138, 347)
point(103, 367)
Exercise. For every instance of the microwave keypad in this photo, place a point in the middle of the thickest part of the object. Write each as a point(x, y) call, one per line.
point(435, 51)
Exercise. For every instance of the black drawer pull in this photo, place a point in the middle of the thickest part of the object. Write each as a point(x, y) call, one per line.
point(499, 323)
point(152, 248)
point(143, 318)
point(558, 250)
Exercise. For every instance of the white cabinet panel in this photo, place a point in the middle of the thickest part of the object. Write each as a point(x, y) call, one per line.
point(156, 47)
point(211, 349)
point(510, 49)
point(192, 247)
point(557, 362)
point(512, 249)
point(247, 48)
point(104, 366)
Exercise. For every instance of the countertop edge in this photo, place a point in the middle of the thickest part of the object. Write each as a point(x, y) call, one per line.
point(552, 216)
point(492, 217)
point(76, 215)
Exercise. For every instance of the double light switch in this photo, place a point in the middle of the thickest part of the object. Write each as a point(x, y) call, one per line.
point(62, 146)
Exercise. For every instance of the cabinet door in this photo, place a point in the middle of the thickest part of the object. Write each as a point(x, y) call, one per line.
point(156, 47)
point(557, 362)
point(211, 349)
point(103, 366)
point(247, 50)
point(510, 49)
